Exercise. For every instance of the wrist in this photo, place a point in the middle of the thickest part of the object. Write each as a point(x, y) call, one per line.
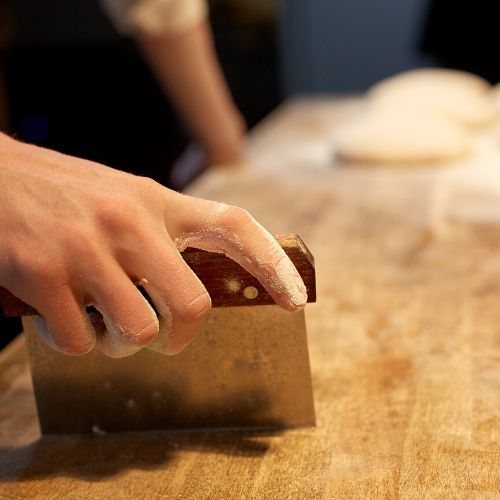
point(224, 141)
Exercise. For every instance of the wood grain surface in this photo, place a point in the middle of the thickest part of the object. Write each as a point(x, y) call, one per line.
point(404, 343)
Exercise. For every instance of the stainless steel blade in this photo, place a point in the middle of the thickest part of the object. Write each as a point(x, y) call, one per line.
point(248, 367)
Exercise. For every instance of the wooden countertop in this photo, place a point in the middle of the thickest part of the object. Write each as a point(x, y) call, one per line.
point(404, 346)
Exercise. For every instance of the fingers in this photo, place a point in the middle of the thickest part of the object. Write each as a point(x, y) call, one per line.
point(131, 323)
point(233, 231)
point(65, 325)
point(179, 296)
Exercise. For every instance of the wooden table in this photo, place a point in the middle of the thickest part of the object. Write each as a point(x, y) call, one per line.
point(404, 345)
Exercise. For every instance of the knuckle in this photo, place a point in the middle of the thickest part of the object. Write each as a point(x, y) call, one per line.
point(235, 217)
point(148, 190)
point(77, 348)
point(195, 310)
point(139, 333)
point(124, 229)
point(116, 212)
point(149, 185)
point(239, 214)
point(39, 280)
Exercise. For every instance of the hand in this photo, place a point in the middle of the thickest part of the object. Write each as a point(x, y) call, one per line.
point(76, 233)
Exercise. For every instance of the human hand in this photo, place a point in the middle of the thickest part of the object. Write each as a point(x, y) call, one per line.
point(77, 233)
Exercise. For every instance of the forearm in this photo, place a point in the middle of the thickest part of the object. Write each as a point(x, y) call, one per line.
point(186, 66)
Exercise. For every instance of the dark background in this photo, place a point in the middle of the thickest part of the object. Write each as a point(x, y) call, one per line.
point(74, 85)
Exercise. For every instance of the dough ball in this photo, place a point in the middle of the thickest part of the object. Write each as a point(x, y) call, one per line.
point(461, 96)
point(433, 77)
point(396, 136)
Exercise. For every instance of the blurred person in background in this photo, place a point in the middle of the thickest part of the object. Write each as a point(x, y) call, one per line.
point(174, 37)
point(74, 85)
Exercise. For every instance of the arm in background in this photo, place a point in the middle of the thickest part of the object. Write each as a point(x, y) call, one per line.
point(175, 38)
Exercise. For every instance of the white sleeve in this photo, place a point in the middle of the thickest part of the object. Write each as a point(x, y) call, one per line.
point(155, 16)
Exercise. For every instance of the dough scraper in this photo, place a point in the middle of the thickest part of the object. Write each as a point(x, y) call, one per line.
point(247, 368)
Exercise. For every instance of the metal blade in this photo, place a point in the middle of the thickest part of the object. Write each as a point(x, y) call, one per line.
point(248, 367)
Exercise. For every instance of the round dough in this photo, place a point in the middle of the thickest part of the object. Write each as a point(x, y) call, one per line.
point(461, 96)
point(394, 136)
point(418, 78)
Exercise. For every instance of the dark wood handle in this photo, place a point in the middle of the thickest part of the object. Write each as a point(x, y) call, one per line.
point(226, 281)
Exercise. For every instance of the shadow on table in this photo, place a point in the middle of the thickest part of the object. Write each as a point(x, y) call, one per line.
point(93, 458)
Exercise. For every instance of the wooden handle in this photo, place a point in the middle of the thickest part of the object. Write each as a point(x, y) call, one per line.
point(226, 281)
